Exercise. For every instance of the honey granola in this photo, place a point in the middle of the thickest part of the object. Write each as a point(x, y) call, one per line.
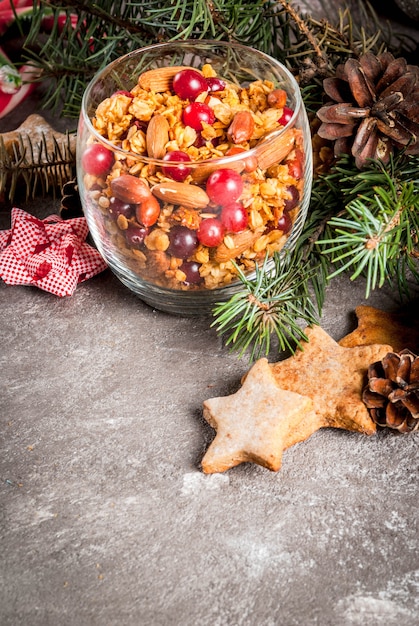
point(150, 122)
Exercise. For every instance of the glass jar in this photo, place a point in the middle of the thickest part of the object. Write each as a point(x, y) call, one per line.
point(194, 162)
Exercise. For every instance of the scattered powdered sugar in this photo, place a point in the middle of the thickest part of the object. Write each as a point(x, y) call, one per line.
point(396, 522)
point(195, 483)
point(367, 610)
point(42, 515)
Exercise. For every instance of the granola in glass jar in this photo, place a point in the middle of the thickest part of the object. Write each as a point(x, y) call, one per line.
point(204, 178)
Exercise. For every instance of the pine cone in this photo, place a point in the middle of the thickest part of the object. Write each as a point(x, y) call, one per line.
point(392, 392)
point(323, 156)
point(375, 108)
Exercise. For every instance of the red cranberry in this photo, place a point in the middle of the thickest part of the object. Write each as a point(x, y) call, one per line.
point(183, 242)
point(292, 202)
point(117, 208)
point(211, 232)
point(234, 217)
point(287, 114)
point(199, 141)
point(177, 172)
point(135, 235)
point(215, 84)
point(284, 223)
point(97, 160)
point(224, 186)
point(188, 84)
point(191, 269)
point(123, 92)
point(196, 113)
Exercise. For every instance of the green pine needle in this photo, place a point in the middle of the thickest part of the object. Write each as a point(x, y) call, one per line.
point(72, 53)
point(270, 305)
point(376, 234)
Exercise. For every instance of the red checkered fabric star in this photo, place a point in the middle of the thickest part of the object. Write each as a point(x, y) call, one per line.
point(51, 254)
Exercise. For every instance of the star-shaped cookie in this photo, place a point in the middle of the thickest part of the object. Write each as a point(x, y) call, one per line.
point(400, 330)
point(254, 423)
point(333, 377)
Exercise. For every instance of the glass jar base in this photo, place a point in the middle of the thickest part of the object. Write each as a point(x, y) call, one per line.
point(185, 303)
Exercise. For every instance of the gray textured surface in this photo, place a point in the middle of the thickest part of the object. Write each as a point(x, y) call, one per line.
point(106, 517)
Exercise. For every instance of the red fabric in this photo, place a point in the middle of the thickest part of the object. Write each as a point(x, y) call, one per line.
point(51, 254)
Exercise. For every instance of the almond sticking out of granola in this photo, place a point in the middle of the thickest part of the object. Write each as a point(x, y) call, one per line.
point(160, 79)
point(275, 150)
point(130, 189)
point(234, 245)
point(242, 127)
point(157, 136)
point(201, 173)
point(277, 98)
point(182, 194)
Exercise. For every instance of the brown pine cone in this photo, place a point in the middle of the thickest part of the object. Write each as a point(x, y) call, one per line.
point(392, 392)
point(322, 151)
point(375, 108)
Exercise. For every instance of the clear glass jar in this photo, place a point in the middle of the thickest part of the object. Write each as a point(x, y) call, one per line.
point(235, 188)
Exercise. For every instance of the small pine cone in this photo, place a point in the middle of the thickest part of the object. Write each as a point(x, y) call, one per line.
point(392, 392)
point(373, 108)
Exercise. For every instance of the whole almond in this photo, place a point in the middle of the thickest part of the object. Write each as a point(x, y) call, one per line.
point(160, 79)
point(274, 150)
point(201, 173)
point(188, 196)
point(130, 189)
point(157, 136)
point(242, 127)
point(234, 245)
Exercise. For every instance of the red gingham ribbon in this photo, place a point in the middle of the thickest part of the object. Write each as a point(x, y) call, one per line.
point(51, 254)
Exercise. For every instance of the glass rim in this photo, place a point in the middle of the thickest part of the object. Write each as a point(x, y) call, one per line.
point(197, 44)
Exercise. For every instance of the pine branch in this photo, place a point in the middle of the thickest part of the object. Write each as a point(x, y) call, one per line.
point(379, 230)
point(271, 305)
point(71, 55)
point(376, 234)
point(302, 26)
point(94, 34)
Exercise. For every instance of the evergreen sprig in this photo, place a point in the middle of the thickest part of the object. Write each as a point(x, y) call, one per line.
point(76, 49)
point(271, 305)
point(86, 35)
point(376, 234)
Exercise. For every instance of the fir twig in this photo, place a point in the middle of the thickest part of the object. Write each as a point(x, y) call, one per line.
point(377, 228)
point(270, 305)
point(93, 34)
point(302, 26)
point(376, 233)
